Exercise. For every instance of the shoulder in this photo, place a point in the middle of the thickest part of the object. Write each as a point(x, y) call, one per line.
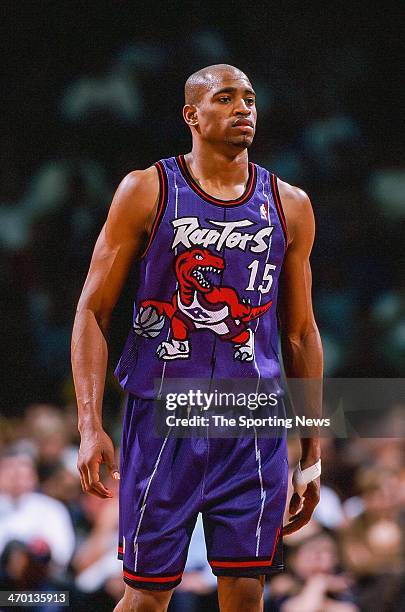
point(294, 199)
point(298, 211)
point(139, 183)
point(136, 198)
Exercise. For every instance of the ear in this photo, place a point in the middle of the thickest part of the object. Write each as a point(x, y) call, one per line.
point(190, 115)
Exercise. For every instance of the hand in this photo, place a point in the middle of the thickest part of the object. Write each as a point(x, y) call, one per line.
point(96, 448)
point(301, 508)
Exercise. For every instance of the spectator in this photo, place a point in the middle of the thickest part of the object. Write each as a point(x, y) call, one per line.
point(95, 561)
point(314, 582)
point(26, 514)
point(373, 542)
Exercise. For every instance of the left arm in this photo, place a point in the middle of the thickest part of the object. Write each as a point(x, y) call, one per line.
point(301, 343)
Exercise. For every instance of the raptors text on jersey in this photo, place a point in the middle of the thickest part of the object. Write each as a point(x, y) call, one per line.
point(207, 299)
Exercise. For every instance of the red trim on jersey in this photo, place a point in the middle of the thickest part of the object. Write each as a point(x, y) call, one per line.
point(250, 186)
point(120, 549)
point(161, 204)
point(248, 563)
point(151, 578)
point(279, 206)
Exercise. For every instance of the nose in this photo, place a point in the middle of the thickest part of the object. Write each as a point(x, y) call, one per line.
point(241, 108)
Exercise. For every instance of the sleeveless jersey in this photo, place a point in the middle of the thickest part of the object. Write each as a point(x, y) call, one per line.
point(207, 298)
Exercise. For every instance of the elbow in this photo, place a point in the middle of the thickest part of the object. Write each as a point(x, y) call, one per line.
point(299, 336)
point(86, 310)
point(83, 310)
point(302, 352)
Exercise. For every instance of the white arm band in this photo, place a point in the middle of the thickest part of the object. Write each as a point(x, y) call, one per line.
point(301, 477)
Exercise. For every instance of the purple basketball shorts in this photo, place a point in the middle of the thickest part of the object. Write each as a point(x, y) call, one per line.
point(238, 484)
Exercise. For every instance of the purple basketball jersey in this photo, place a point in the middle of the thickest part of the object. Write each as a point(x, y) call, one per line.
point(206, 304)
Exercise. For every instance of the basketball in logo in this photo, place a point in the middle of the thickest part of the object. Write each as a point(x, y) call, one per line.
point(148, 322)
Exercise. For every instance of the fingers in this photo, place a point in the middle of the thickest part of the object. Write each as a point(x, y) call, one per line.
point(95, 449)
point(81, 481)
point(90, 480)
point(96, 486)
point(295, 503)
point(309, 502)
point(111, 465)
point(296, 522)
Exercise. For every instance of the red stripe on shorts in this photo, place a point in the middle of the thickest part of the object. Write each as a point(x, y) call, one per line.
point(150, 578)
point(248, 563)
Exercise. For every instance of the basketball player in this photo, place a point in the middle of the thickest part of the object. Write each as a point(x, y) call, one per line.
point(224, 245)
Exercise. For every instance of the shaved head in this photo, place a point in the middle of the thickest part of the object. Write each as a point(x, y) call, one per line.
point(220, 107)
point(205, 79)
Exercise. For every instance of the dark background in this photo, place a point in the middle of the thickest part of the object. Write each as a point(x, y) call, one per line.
point(92, 91)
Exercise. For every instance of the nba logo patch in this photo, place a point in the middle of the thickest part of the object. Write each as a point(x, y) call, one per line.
point(264, 211)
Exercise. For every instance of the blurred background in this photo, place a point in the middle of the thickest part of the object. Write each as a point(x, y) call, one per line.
point(92, 91)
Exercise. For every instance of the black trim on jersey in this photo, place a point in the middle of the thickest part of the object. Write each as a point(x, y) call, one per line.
point(279, 206)
point(246, 195)
point(151, 586)
point(162, 203)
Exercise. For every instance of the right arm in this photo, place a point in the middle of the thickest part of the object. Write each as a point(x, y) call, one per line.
point(121, 240)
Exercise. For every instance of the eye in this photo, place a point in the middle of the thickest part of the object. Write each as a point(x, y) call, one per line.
point(250, 101)
point(198, 256)
point(224, 99)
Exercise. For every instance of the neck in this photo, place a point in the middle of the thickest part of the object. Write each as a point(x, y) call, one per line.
point(218, 167)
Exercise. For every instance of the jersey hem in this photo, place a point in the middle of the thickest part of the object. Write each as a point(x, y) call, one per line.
point(161, 582)
point(244, 573)
point(151, 586)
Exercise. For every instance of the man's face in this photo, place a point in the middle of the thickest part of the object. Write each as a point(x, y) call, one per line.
point(227, 112)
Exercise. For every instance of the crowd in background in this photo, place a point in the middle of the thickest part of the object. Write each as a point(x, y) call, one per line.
point(349, 558)
point(86, 112)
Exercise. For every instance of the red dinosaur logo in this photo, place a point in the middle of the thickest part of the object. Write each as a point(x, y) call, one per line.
point(199, 304)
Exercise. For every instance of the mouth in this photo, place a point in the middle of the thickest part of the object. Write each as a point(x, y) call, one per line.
point(200, 273)
point(243, 123)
